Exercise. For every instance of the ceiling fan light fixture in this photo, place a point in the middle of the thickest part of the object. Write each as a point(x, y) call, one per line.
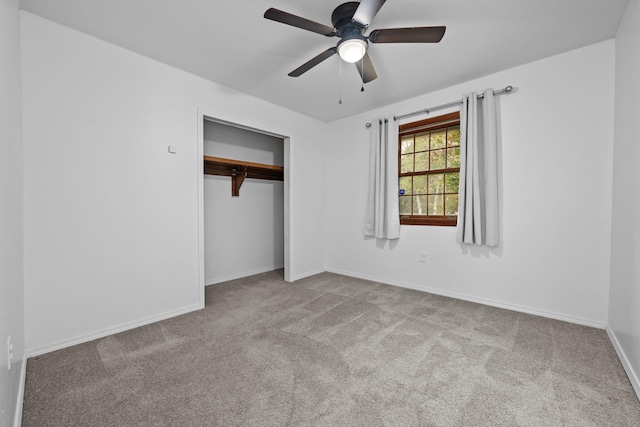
point(352, 50)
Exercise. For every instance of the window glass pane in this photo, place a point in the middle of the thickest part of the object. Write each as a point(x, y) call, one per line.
point(452, 182)
point(406, 144)
point(453, 157)
point(425, 186)
point(420, 205)
point(436, 183)
point(453, 136)
point(437, 159)
point(451, 204)
point(406, 163)
point(422, 161)
point(405, 205)
point(405, 184)
point(422, 141)
point(436, 205)
point(438, 139)
point(420, 184)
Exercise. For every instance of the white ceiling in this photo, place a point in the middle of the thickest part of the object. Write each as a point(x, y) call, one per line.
point(229, 42)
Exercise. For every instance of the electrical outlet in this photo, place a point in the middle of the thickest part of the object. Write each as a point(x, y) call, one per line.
point(423, 257)
point(9, 353)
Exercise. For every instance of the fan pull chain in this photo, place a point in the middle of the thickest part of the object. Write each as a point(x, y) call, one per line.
point(362, 66)
point(340, 81)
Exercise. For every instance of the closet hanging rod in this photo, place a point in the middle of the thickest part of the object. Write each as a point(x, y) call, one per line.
point(506, 89)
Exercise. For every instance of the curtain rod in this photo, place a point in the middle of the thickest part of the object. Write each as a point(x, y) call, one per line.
point(506, 89)
point(449, 104)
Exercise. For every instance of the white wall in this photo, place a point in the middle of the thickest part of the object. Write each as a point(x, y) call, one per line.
point(556, 149)
point(222, 140)
point(242, 235)
point(111, 218)
point(624, 297)
point(11, 259)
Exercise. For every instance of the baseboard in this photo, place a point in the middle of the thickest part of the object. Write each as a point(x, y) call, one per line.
point(470, 298)
point(17, 418)
point(241, 275)
point(308, 274)
point(109, 331)
point(633, 376)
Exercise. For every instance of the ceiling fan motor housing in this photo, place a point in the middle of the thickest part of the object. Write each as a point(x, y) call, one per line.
point(342, 20)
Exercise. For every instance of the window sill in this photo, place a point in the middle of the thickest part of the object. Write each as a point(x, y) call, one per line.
point(446, 221)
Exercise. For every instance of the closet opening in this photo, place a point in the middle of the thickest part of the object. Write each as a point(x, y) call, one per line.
point(243, 201)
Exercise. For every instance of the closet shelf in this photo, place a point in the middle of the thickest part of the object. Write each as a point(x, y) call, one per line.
point(238, 170)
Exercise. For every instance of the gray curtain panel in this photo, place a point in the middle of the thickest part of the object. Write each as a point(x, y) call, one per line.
point(382, 218)
point(478, 211)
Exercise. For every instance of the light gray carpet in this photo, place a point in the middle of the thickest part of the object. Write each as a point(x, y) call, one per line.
point(335, 351)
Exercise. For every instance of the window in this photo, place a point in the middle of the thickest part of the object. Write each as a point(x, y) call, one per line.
point(429, 171)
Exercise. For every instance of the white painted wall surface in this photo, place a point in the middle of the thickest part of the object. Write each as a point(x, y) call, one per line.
point(556, 149)
point(221, 140)
point(111, 218)
point(11, 258)
point(624, 298)
point(242, 235)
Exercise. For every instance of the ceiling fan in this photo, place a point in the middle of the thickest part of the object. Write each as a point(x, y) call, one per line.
point(350, 21)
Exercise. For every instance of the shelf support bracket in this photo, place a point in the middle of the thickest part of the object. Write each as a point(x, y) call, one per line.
point(237, 178)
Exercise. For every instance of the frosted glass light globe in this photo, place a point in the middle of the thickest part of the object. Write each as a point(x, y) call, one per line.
point(352, 50)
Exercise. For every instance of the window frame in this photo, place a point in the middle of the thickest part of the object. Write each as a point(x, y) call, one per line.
point(432, 123)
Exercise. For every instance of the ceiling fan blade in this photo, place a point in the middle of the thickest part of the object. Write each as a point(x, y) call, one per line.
point(369, 73)
point(408, 35)
point(313, 62)
point(297, 21)
point(366, 11)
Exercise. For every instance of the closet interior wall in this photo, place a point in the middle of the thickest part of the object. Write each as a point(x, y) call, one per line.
point(242, 235)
